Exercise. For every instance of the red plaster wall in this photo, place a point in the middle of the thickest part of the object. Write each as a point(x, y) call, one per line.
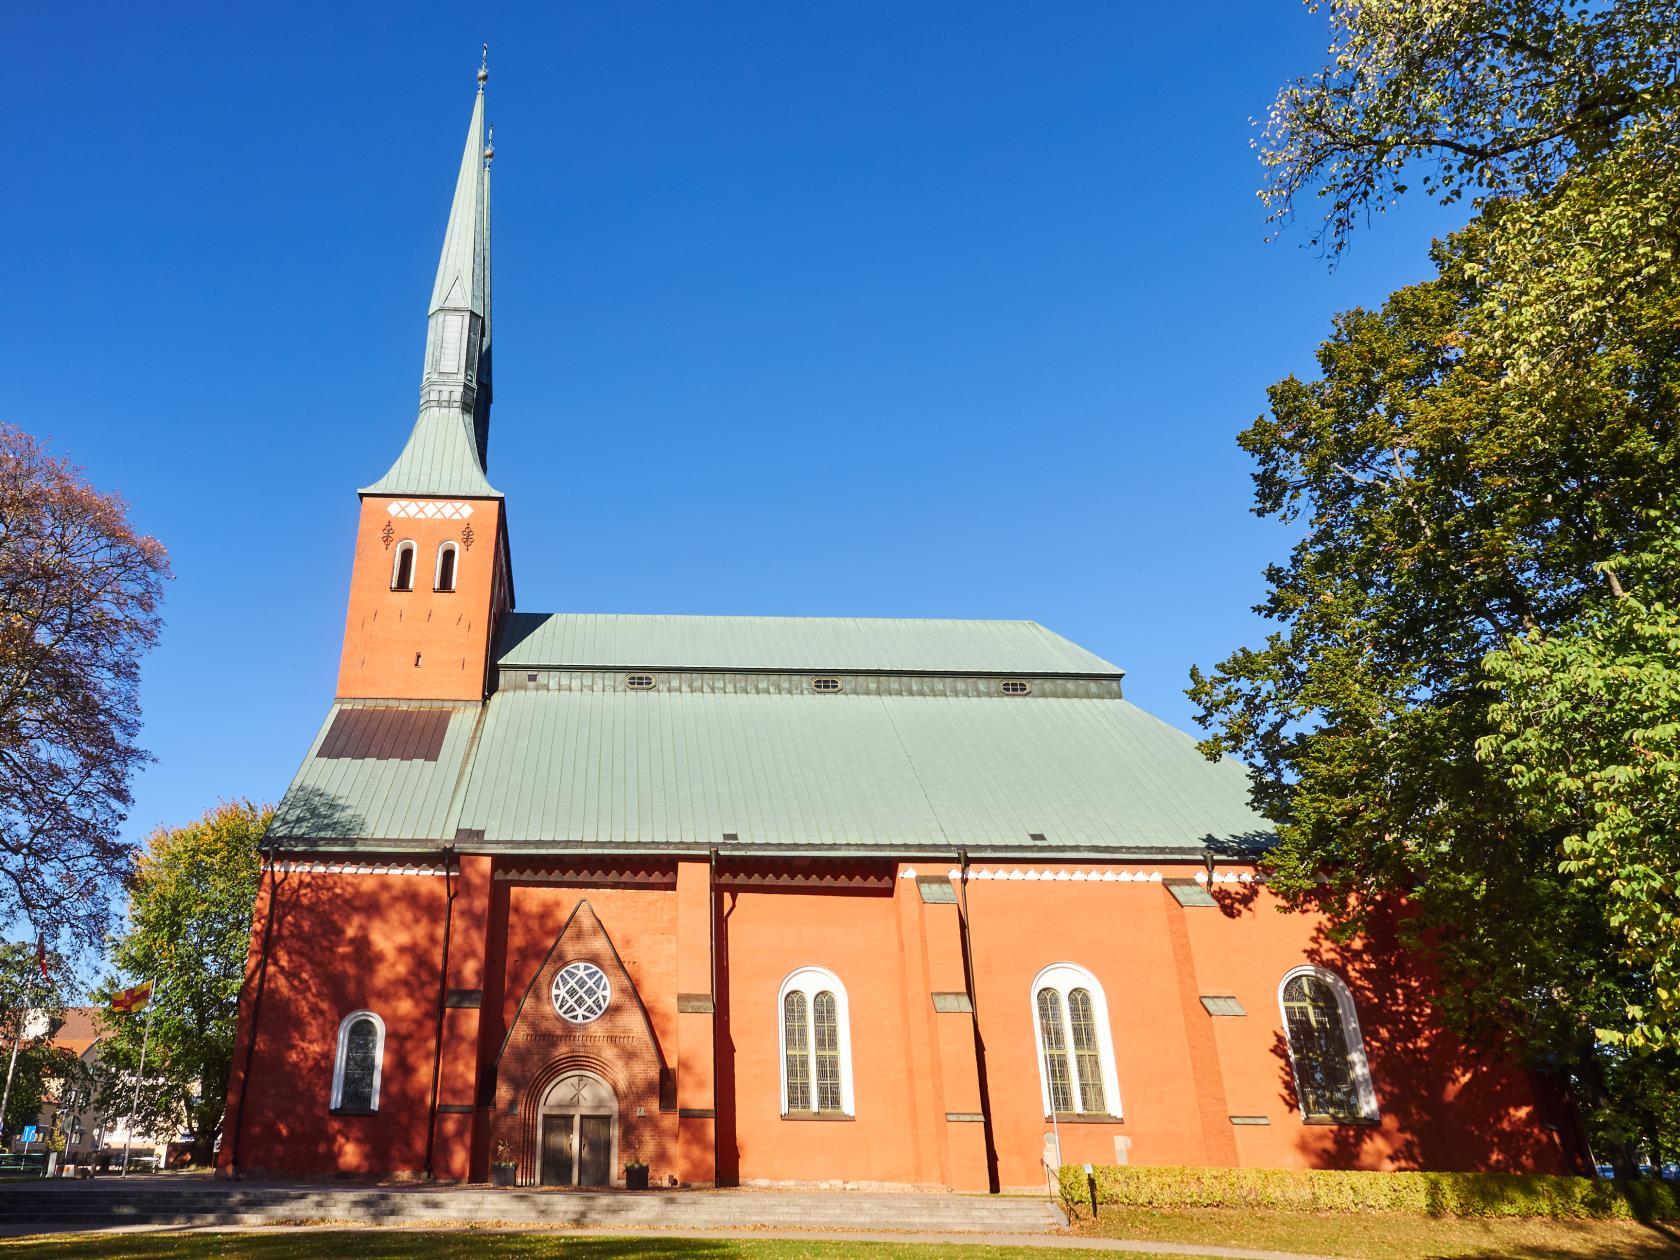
point(341, 943)
point(449, 630)
point(345, 942)
point(854, 935)
point(1441, 1108)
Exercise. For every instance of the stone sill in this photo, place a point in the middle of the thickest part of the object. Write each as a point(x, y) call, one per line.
point(1081, 1117)
point(825, 1116)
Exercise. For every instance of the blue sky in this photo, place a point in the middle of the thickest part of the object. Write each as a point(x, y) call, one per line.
point(929, 310)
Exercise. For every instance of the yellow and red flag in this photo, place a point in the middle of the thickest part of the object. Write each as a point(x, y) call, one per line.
point(130, 1001)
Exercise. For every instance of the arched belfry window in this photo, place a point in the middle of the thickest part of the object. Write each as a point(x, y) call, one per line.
point(402, 568)
point(1326, 1050)
point(1075, 1049)
point(446, 560)
point(816, 1045)
point(359, 1063)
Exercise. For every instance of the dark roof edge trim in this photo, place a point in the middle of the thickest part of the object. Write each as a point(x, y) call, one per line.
point(397, 849)
point(852, 672)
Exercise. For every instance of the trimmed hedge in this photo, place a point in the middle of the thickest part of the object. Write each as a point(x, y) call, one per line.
point(1416, 1193)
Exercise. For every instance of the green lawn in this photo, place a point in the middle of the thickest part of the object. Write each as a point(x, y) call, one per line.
point(1387, 1236)
point(469, 1244)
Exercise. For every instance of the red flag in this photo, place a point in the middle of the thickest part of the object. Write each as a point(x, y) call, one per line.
point(131, 1001)
point(41, 957)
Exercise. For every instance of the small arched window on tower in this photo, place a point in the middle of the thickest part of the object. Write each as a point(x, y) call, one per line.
point(359, 1064)
point(446, 560)
point(816, 1045)
point(1326, 1050)
point(402, 568)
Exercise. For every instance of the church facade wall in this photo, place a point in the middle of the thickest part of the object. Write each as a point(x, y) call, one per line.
point(692, 1045)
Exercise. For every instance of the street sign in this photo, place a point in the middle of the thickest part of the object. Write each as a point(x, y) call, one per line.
point(28, 1134)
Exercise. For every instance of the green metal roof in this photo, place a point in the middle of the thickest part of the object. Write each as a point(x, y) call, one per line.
point(440, 458)
point(840, 644)
point(783, 771)
point(358, 798)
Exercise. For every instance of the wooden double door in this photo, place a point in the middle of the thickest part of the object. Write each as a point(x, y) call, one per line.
point(577, 1150)
point(578, 1132)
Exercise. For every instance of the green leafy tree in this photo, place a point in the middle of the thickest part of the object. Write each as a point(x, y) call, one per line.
point(1586, 736)
point(189, 926)
point(34, 990)
point(1463, 474)
point(1501, 98)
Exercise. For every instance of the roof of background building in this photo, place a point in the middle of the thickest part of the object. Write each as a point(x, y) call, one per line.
point(886, 765)
point(78, 1030)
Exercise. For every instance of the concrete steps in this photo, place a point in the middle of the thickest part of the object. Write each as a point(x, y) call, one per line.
point(43, 1206)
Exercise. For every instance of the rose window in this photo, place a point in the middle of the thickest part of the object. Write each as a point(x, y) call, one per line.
point(581, 992)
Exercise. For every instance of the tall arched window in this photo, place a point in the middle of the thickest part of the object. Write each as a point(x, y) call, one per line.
point(446, 557)
point(816, 1045)
point(1326, 1050)
point(1075, 1050)
point(402, 568)
point(359, 1063)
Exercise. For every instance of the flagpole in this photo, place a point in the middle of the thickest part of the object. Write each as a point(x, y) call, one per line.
point(145, 1041)
point(6, 1098)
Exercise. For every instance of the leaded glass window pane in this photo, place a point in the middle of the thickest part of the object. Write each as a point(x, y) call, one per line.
point(1318, 1048)
point(825, 1023)
point(1082, 1016)
point(796, 1041)
point(361, 1047)
point(1055, 1049)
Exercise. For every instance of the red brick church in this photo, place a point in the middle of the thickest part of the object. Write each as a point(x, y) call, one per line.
point(784, 900)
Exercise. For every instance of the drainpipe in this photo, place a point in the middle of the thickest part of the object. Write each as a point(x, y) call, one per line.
point(979, 1042)
point(711, 923)
point(449, 885)
point(256, 1008)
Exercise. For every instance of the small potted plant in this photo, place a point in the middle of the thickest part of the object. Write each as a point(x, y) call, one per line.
point(636, 1173)
point(503, 1170)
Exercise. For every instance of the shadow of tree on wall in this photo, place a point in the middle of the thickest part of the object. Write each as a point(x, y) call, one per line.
point(1444, 1105)
point(337, 945)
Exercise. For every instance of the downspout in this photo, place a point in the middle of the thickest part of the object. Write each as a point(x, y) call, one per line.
point(256, 1008)
point(442, 1002)
point(711, 924)
point(979, 1042)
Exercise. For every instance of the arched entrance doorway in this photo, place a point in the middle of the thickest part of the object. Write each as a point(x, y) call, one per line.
point(577, 1132)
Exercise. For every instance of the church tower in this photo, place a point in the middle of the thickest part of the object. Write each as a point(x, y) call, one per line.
point(432, 576)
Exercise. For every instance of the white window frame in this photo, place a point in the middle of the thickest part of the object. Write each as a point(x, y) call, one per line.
point(1368, 1108)
point(811, 981)
point(1064, 977)
point(378, 1057)
point(409, 545)
point(437, 568)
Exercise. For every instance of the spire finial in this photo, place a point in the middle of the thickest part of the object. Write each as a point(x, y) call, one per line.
point(490, 144)
point(484, 68)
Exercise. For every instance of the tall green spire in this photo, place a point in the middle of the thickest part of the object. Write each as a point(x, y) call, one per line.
point(447, 450)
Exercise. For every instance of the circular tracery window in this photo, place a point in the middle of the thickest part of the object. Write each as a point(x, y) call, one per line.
point(581, 992)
